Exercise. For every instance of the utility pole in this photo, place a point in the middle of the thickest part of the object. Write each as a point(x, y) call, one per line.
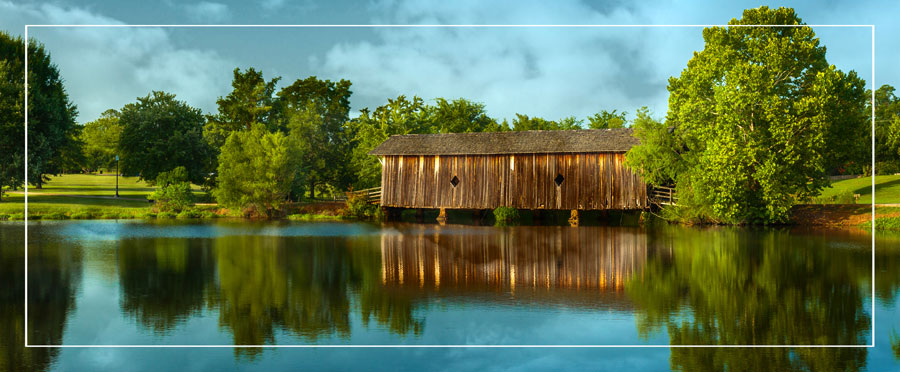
point(117, 175)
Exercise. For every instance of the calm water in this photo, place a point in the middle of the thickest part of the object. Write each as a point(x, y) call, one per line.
point(224, 283)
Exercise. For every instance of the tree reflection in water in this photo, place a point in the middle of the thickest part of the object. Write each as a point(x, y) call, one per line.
point(736, 287)
point(54, 274)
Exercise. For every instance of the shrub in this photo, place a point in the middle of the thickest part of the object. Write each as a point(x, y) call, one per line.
point(173, 191)
point(165, 215)
point(358, 206)
point(188, 213)
point(81, 215)
point(506, 215)
point(55, 216)
point(148, 216)
point(110, 216)
point(4, 217)
point(17, 217)
point(886, 168)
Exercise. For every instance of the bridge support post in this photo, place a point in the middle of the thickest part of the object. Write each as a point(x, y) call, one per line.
point(573, 218)
point(420, 215)
point(442, 216)
point(537, 216)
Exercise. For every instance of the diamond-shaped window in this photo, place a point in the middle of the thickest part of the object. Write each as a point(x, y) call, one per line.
point(454, 181)
point(559, 179)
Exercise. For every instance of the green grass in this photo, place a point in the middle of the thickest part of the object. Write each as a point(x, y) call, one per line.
point(887, 189)
point(75, 196)
point(883, 224)
point(314, 217)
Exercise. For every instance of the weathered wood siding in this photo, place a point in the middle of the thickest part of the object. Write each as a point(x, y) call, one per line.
point(592, 181)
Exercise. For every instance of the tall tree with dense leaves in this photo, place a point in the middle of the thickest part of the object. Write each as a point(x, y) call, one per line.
point(101, 140)
point(315, 113)
point(256, 171)
point(251, 101)
point(756, 116)
point(887, 126)
point(607, 119)
point(51, 116)
point(160, 133)
point(398, 117)
point(460, 116)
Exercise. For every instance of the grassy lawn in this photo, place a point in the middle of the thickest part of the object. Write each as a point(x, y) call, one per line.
point(72, 194)
point(887, 189)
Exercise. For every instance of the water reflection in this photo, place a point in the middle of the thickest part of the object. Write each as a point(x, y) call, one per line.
point(691, 286)
point(732, 287)
point(53, 276)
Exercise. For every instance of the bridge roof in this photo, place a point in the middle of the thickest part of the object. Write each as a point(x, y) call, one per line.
point(516, 142)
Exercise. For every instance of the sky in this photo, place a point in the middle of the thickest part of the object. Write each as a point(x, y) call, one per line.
point(547, 72)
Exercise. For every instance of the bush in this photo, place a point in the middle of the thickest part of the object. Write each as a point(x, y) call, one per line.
point(358, 206)
point(110, 216)
point(173, 192)
point(188, 213)
point(506, 215)
point(883, 168)
point(4, 217)
point(17, 217)
point(55, 216)
point(166, 215)
point(81, 215)
point(148, 216)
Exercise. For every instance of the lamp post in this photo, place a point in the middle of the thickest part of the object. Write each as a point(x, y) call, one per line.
point(117, 175)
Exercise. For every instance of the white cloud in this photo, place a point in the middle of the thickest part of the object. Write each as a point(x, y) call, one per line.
point(549, 72)
point(107, 68)
point(208, 12)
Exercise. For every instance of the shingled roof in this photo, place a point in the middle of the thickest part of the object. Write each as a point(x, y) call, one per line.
point(521, 142)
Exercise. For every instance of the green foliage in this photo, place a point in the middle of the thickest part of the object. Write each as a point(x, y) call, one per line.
point(887, 124)
point(523, 122)
point(251, 102)
point(883, 224)
point(52, 129)
point(160, 133)
point(55, 216)
point(101, 140)
point(358, 206)
point(166, 215)
point(758, 116)
point(189, 213)
point(398, 117)
point(506, 215)
point(607, 119)
point(173, 191)
point(315, 115)
point(460, 116)
point(256, 170)
point(82, 215)
point(886, 168)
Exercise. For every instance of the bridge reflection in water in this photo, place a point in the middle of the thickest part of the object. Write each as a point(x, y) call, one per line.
point(547, 264)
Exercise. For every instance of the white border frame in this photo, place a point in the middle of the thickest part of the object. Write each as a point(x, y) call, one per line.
point(872, 82)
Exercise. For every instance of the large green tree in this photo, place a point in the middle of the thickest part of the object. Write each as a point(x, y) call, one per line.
point(887, 126)
point(160, 133)
point(251, 101)
point(758, 117)
point(607, 119)
point(460, 116)
point(398, 117)
point(51, 116)
point(101, 140)
point(256, 171)
point(315, 114)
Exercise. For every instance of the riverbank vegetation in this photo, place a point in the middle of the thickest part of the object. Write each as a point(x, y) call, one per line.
point(755, 124)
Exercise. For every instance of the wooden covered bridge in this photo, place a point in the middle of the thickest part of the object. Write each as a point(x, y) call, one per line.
point(539, 170)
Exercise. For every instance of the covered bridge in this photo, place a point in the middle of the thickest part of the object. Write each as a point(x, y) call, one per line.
point(556, 169)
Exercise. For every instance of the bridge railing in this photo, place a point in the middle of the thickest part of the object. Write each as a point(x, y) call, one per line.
point(373, 195)
point(663, 195)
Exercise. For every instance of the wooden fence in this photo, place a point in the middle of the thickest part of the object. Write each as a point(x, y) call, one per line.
point(663, 195)
point(373, 195)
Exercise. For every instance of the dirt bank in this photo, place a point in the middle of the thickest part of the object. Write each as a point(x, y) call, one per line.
point(839, 214)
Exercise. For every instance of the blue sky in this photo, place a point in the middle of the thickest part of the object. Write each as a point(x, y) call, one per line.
point(547, 72)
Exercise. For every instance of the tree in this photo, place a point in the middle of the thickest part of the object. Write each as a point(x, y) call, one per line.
point(160, 133)
point(398, 117)
point(256, 170)
point(315, 113)
point(607, 119)
point(755, 117)
point(887, 125)
point(101, 140)
point(173, 191)
point(460, 116)
point(523, 122)
point(251, 101)
point(51, 116)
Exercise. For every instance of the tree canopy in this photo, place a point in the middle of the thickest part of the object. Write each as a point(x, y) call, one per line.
point(607, 119)
point(756, 118)
point(101, 140)
point(160, 133)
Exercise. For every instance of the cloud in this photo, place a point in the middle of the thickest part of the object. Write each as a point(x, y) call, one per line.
point(272, 4)
point(549, 72)
point(107, 68)
point(208, 12)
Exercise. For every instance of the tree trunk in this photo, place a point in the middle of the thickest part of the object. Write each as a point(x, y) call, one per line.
point(40, 182)
point(312, 188)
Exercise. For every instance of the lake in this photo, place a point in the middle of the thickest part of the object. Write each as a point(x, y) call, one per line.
point(264, 283)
